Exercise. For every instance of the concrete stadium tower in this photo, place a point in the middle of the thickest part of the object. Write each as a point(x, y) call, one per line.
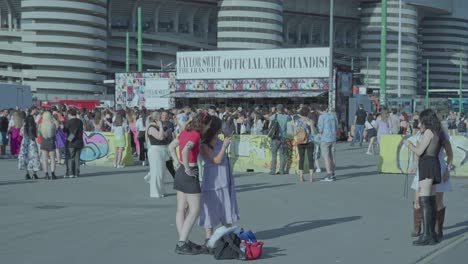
point(64, 46)
point(445, 43)
point(250, 24)
point(370, 46)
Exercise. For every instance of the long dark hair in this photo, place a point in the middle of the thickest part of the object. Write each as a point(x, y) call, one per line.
point(213, 131)
point(198, 121)
point(429, 119)
point(30, 128)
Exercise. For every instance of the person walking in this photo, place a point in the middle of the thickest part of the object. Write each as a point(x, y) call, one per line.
point(47, 131)
point(328, 125)
point(429, 169)
point(159, 136)
point(218, 197)
point(141, 127)
point(28, 158)
point(74, 130)
point(15, 125)
point(186, 182)
point(278, 141)
point(304, 136)
point(119, 128)
point(371, 133)
point(359, 125)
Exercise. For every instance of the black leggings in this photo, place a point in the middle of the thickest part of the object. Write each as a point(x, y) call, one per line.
point(143, 151)
point(310, 155)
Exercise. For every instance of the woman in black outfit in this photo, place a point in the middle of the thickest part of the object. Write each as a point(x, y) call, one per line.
point(429, 173)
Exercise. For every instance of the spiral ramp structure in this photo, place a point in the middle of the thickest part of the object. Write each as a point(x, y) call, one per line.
point(250, 24)
point(65, 46)
point(370, 46)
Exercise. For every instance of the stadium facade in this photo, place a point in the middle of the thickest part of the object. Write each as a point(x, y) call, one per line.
point(64, 49)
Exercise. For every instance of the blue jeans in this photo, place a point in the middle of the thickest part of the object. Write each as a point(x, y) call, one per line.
point(358, 129)
point(277, 144)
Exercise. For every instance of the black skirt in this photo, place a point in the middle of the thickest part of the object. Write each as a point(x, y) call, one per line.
point(429, 168)
point(48, 144)
point(185, 183)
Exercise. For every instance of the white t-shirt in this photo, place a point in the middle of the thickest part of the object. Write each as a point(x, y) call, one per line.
point(139, 125)
point(119, 131)
point(371, 125)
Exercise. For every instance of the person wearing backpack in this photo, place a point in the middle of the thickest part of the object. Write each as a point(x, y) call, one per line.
point(304, 136)
point(277, 133)
point(462, 124)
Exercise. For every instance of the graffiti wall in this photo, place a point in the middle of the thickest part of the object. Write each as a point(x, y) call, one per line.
point(99, 149)
point(252, 152)
point(395, 157)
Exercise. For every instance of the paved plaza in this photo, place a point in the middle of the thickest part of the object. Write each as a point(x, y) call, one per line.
point(106, 216)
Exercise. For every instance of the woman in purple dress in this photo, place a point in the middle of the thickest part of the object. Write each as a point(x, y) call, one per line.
point(218, 198)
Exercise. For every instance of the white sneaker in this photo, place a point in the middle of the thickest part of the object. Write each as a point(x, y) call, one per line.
point(318, 170)
point(115, 166)
point(368, 153)
point(144, 163)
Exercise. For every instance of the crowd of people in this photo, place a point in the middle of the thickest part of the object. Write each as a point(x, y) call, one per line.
point(206, 190)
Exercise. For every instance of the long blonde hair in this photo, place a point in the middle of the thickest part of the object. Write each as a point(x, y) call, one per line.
point(18, 119)
point(47, 127)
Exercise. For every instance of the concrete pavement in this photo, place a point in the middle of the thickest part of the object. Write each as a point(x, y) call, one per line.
point(106, 216)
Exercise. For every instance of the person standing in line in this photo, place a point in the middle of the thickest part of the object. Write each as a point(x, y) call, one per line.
point(278, 143)
point(317, 140)
point(74, 130)
point(60, 137)
point(328, 124)
point(371, 133)
point(119, 128)
point(159, 136)
point(133, 131)
point(429, 169)
point(186, 182)
point(3, 132)
point(218, 197)
point(415, 122)
point(359, 124)
point(15, 125)
point(141, 127)
point(404, 123)
point(47, 131)
point(394, 122)
point(304, 132)
point(462, 124)
point(28, 158)
point(383, 125)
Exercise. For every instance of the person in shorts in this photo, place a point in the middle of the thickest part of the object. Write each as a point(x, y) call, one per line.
point(186, 181)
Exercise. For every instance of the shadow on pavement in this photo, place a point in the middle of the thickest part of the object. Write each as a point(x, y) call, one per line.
point(458, 232)
point(302, 226)
point(354, 167)
point(356, 174)
point(259, 186)
point(112, 172)
point(17, 182)
point(272, 252)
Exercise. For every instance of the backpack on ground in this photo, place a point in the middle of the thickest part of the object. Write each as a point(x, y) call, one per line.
point(462, 126)
point(274, 130)
point(225, 244)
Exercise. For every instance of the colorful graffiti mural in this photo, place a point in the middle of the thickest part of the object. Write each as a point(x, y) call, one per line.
point(395, 157)
point(99, 149)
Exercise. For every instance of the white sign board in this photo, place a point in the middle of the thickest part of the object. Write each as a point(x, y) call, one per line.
point(156, 94)
point(255, 64)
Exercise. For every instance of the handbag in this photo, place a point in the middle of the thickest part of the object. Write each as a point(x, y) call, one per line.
point(254, 250)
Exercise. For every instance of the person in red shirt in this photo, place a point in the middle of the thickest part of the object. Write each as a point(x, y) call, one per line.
point(186, 181)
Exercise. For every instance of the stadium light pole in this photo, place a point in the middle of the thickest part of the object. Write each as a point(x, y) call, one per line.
point(399, 49)
point(460, 96)
point(427, 83)
point(331, 85)
point(139, 44)
point(383, 55)
point(127, 52)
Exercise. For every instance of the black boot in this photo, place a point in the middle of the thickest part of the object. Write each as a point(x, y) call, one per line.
point(52, 176)
point(27, 177)
point(35, 176)
point(440, 223)
point(428, 220)
point(47, 177)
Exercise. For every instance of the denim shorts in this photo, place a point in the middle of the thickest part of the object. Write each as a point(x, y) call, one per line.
point(4, 138)
point(328, 149)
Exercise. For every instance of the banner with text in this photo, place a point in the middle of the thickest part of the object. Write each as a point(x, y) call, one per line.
point(245, 64)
